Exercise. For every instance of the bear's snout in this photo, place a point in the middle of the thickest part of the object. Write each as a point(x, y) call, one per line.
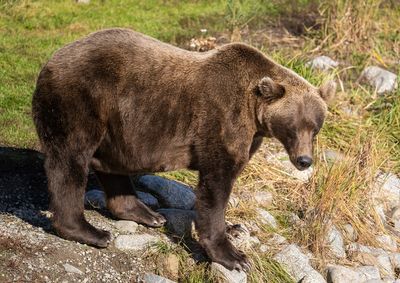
point(303, 162)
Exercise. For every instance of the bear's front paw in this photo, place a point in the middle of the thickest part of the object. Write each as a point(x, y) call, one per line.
point(223, 252)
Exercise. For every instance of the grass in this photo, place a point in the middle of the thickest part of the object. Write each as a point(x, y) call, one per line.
point(338, 192)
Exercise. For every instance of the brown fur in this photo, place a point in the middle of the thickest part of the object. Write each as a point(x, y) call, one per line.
point(125, 103)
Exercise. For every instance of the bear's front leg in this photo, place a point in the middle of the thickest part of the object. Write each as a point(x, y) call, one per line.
point(212, 197)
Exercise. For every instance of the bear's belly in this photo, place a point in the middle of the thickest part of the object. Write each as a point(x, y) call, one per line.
point(116, 160)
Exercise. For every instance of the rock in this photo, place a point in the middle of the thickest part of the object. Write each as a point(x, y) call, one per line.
point(332, 155)
point(297, 264)
point(387, 189)
point(339, 274)
point(263, 198)
point(349, 232)
point(387, 242)
point(83, 1)
point(322, 63)
point(282, 160)
point(395, 217)
point(228, 276)
point(179, 221)
point(239, 235)
point(335, 242)
point(170, 194)
point(266, 218)
point(264, 248)
point(152, 278)
point(72, 269)
point(126, 226)
point(148, 199)
point(380, 79)
point(385, 265)
point(395, 260)
point(171, 266)
point(380, 211)
point(95, 199)
point(134, 242)
point(277, 240)
point(368, 272)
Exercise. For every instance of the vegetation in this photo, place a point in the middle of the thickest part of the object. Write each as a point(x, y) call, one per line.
point(358, 33)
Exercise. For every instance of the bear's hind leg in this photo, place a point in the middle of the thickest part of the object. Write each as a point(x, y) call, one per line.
point(67, 177)
point(123, 203)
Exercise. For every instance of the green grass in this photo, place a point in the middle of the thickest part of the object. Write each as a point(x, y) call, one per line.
point(30, 31)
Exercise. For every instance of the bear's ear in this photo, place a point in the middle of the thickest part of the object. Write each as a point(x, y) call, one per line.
point(269, 89)
point(327, 90)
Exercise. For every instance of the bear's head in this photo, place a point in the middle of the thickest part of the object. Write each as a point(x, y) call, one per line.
point(293, 111)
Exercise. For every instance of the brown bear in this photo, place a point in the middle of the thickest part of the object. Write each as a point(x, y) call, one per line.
point(123, 103)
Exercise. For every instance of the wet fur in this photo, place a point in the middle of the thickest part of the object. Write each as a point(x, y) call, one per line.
point(125, 103)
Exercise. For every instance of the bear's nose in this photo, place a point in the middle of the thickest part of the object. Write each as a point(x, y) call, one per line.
point(304, 161)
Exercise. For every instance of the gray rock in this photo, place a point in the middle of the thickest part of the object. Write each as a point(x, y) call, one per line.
point(152, 278)
point(340, 274)
point(380, 79)
point(368, 272)
point(322, 63)
point(349, 232)
point(148, 199)
point(297, 264)
point(333, 155)
point(240, 236)
point(170, 194)
point(72, 269)
point(263, 198)
point(126, 226)
point(335, 242)
point(134, 242)
point(387, 189)
point(387, 242)
point(95, 199)
point(395, 217)
point(395, 260)
point(179, 221)
point(385, 265)
point(228, 276)
point(266, 218)
point(277, 240)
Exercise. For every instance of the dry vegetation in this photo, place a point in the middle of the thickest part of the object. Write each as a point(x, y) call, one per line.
point(358, 33)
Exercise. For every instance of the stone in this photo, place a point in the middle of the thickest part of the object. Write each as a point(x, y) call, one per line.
point(266, 218)
point(387, 242)
point(281, 159)
point(368, 272)
point(152, 278)
point(264, 248)
point(395, 217)
point(179, 221)
point(83, 1)
point(95, 199)
point(72, 269)
point(277, 239)
point(380, 211)
point(126, 226)
point(322, 63)
point(335, 241)
point(148, 199)
point(349, 232)
point(263, 198)
point(387, 189)
point(385, 265)
point(170, 194)
point(333, 155)
point(339, 274)
point(135, 242)
point(228, 276)
point(395, 260)
point(382, 80)
point(239, 235)
point(297, 264)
